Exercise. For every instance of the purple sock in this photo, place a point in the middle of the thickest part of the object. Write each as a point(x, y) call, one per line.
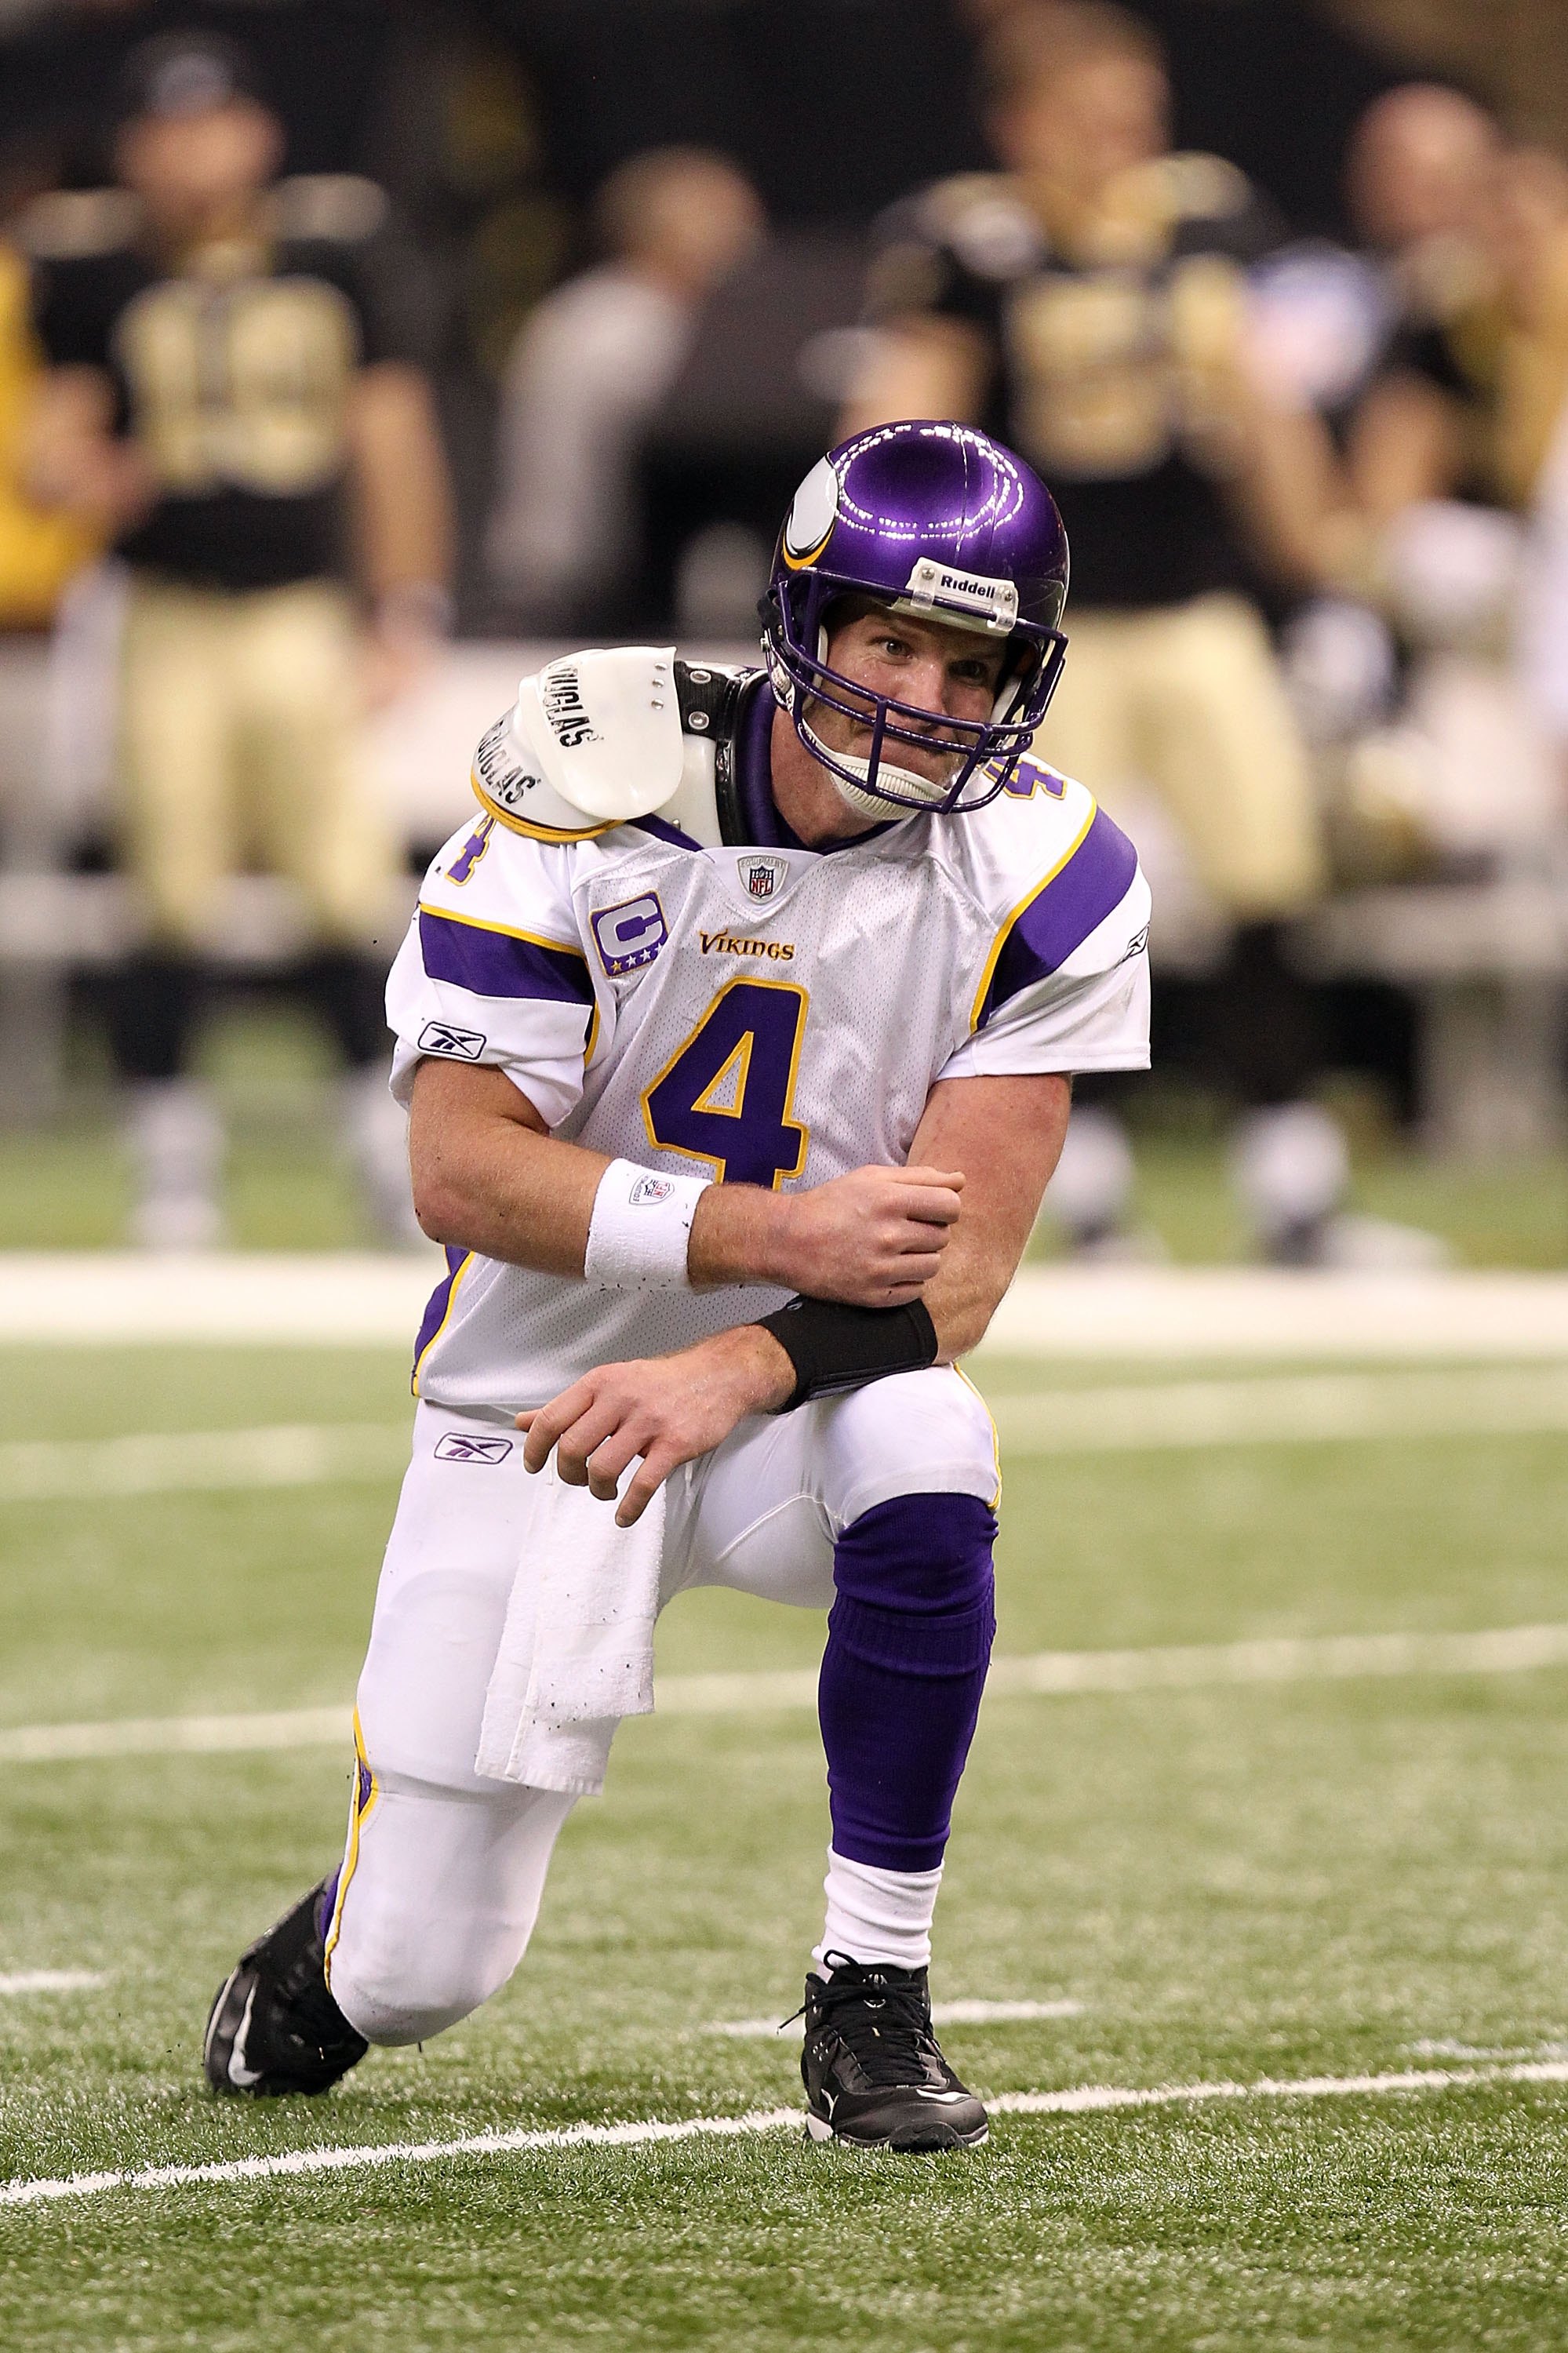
point(908, 1643)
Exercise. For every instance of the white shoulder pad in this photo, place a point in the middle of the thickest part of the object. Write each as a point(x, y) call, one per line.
point(606, 729)
point(593, 741)
point(693, 806)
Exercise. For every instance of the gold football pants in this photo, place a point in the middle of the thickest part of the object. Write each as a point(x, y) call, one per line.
point(237, 749)
point(1186, 701)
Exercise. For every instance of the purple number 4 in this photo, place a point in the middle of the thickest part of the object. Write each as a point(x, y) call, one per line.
point(725, 1097)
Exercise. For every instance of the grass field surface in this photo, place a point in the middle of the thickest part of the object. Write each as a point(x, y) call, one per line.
point(288, 1187)
point(1238, 1884)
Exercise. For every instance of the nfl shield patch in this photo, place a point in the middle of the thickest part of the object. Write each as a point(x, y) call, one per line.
point(763, 878)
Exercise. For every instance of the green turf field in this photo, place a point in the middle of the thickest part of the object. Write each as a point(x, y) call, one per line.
point(1314, 1880)
point(67, 1187)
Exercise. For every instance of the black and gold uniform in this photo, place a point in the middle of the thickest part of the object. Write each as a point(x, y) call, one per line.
point(1502, 369)
point(232, 374)
point(1110, 368)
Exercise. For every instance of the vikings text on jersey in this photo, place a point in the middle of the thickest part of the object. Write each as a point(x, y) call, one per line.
point(713, 997)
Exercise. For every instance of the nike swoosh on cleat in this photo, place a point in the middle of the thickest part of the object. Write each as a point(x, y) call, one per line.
point(212, 2024)
point(239, 2075)
point(949, 2099)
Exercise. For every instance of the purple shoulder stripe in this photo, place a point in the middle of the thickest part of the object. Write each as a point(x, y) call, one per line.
point(498, 964)
point(1060, 917)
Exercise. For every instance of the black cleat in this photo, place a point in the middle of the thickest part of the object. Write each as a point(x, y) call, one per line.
point(873, 2073)
point(274, 2027)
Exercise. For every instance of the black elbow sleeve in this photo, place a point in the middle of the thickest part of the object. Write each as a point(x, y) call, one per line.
point(835, 1347)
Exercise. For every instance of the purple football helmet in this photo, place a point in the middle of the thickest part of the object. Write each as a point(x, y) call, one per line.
point(940, 522)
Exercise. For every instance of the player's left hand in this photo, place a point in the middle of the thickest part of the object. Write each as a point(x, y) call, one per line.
point(668, 1409)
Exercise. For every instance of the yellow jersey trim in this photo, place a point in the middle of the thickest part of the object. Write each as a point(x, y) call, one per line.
point(538, 832)
point(995, 1433)
point(458, 1273)
point(358, 1815)
point(1022, 908)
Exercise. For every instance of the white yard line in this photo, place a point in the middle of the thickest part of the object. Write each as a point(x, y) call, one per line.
point(1042, 1675)
point(1448, 2049)
point(1261, 1312)
point(1082, 2099)
point(175, 1735)
point(1089, 2098)
point(50, 1981)
point(340, 1299)
point(1285, 1410)
point(1286, 1658)
point(943, 2014)
point(1506, 1650)
point(349, 1299)
point(291, 1454)
point(1126, 1417)
point(1002, 2013)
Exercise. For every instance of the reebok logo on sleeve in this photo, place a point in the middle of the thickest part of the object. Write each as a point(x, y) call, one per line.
point(463, 1045)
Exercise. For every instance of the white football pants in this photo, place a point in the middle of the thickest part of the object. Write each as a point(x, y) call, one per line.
point(444, 1870)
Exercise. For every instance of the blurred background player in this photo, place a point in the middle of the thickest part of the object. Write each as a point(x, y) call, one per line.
point(588, 370)
point(1426, 176)
point(1328, 324)
point(1468, 399)
point(1406, 290)
point(39, 553)
point(231, 401)
point(1090, 303)
point(1456, 311)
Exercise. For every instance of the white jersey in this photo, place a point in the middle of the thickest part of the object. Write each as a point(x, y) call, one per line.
point(711, 997)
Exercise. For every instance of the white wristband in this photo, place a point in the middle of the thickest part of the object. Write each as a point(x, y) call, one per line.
point(637, 1235)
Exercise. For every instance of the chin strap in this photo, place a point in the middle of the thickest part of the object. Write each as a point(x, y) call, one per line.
point(861, 794)
point(849, 772)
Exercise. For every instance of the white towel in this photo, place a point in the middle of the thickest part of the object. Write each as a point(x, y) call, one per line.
point(577, 1651)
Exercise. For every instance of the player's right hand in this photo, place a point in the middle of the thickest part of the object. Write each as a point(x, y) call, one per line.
point(873, 1238)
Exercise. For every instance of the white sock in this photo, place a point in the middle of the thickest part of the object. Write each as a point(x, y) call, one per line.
point(878, 1916)
point(1091, 1190)
point(1290, 1167)
point(176, 1143)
